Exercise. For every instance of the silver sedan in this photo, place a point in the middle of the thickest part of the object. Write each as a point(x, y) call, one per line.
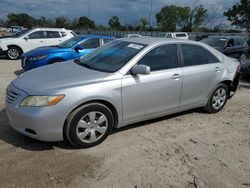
point(124, 82)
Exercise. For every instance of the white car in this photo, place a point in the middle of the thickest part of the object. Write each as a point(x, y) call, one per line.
point(179, 35)
point(30, 39)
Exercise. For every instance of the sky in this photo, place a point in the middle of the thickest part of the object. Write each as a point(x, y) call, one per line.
point(129, 11)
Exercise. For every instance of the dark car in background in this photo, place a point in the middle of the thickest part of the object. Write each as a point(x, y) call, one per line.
point(232, 46)
point(245, 69)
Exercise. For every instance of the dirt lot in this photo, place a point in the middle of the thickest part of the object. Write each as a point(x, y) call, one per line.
point(190, 149)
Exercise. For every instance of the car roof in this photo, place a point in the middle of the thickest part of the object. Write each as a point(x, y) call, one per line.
point(51, 29)
point(94, 36)
point(156, 40)
point(225, 37)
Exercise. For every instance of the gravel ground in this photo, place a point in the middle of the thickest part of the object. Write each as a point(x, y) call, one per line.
point(190, 149)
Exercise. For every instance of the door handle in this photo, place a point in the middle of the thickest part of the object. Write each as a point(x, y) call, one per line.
point(216, 69)
point(41, 41)
point(175, 76)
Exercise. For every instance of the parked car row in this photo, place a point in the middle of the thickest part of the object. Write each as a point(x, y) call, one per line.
point(30, 39)
point(125, 81)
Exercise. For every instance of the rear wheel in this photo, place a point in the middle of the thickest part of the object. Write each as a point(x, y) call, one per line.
point(243, 58)
point(218, 99)
point(14, 53)
point(89, 125)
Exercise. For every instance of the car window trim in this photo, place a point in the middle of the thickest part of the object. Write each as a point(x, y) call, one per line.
point(182, 59)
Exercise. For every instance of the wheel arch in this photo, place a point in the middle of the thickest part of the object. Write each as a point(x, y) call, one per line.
point(108, 104)
point(16, 46)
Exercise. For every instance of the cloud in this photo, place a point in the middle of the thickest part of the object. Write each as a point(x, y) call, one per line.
point(129, 11)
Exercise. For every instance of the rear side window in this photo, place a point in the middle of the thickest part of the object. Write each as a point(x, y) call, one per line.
point(239, 42)
point(105, 40)
point(37, 35)
point(168, 36)
point(180, 35)
point(53, 34)
point(91, 43)
point(64, 34)
point(160, 58)
point(211, 58)
point(193, 55)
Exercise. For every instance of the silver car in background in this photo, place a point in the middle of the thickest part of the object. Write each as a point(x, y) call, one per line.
point(124, 82)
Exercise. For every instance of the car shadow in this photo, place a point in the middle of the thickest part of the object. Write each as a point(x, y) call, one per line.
point(18, 72)
point(10, 136)
point(3, 57)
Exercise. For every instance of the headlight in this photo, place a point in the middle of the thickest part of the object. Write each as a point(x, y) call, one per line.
point(37, 58)
point(39, 101)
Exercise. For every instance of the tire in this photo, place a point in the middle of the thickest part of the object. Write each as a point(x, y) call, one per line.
point(55, 61)
point(243, 58)
point(217, 99)
point(82, 127)
point(14, 53)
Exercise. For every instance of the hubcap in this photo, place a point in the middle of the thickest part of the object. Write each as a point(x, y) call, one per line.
point(91, 127)
point(219, 98)
point(13, 53)
point(243, 58)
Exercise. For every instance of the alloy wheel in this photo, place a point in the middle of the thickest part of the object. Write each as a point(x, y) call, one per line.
point(91, 127)
point(219, 98)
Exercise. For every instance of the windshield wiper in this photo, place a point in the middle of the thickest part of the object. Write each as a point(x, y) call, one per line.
point(77, 61)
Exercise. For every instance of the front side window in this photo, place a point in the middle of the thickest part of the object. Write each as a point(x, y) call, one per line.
point(230, 43)
point(160, 58)
point(112, 56)
point(91, 43)
point(53, 34)
point(193, 55)
point(37, 35)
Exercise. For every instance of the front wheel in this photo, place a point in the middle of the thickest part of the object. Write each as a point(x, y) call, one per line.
point(89, 125)
point(218, 99)
point(14, 53)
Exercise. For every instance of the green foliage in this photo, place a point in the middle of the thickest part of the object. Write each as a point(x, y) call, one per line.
point(21, 19)
point(114, 23)
point(86, 23)
point(239, 14)
point(184, 17)
point(144, 23)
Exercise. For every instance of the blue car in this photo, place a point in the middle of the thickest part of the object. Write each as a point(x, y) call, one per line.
point(71, 49)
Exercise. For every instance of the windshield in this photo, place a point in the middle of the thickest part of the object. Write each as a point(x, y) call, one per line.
point(215, 41)
point(112, 56)
point(70, 42)
point(21, 33)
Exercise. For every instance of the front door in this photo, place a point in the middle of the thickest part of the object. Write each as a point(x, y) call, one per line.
point(158, 92)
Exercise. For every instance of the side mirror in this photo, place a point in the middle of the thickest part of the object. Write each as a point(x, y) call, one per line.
point(140, 69)
point(26, 38)
point(78, 48)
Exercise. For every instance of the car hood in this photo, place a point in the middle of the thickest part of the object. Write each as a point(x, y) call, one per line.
point(45, 50)
point(53, 78)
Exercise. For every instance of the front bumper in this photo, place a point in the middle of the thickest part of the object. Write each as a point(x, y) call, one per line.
point(41, 123)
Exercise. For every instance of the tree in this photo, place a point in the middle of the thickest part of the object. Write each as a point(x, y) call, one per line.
point(239, 14)
point(144, 23)
point(86, 23)
point(184, 17)
point(61, 22)
point(21, 19)
point(114, 23)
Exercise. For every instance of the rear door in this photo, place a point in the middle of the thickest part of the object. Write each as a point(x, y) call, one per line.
point(201, 72)
point(53, 38)
point(158, 92)
point(36, 39)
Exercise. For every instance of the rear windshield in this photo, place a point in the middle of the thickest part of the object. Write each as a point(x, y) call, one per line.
point(112, 56)
point(215, 41)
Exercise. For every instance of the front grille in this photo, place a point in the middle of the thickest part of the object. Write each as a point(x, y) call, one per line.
point(11, 96)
